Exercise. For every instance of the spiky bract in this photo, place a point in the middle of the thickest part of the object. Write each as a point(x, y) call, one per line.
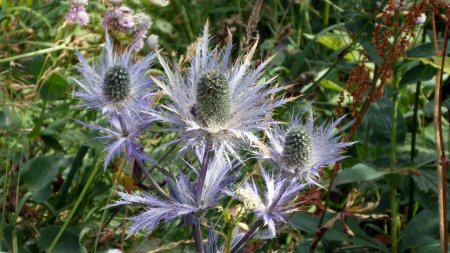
point(231, 120)
point(116, 85)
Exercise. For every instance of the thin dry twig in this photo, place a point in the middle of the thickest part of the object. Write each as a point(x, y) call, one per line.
point(251, 31)
point(440, 148)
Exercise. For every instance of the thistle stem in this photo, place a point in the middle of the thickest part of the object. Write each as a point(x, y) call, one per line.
point(152, 181)
point(198, 240)
point(196, 227)
point(202, 173)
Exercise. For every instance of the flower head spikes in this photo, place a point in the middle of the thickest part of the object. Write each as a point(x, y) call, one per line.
point(182, 202)
point(218, 99)
point(271, 204)
point(116, 85)
point(303, 149)
point(77, 13)
point(123, 136)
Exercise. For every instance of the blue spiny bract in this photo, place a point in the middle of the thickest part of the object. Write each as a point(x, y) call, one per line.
point(213, 97)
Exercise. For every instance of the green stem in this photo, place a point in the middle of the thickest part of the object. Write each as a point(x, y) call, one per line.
point(72, 212)
point(44, 51)
point(393, 163)
point(326, 13)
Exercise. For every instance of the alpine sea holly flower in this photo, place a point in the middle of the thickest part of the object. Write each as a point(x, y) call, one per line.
point(77, 13)
point(123, 136)
point(119, 19)
point(183, 203)
point(303, 149)
point(218, 101)
point(116, 85)
point(273, 202)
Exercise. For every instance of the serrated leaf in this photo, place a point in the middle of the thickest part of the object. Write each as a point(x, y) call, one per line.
point(427, 180)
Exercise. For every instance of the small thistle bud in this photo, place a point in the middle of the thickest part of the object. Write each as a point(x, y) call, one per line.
point(213, 98)
point(297, 148)
point(249, 201)
point(116, 84)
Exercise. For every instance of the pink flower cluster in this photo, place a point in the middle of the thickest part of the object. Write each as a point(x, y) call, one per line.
point(77, 13)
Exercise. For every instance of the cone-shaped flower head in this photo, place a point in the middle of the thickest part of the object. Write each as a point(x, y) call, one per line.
point(297, 147)
point(214, 99)
point(303, 149)
point(217, 98)
point(116, 85)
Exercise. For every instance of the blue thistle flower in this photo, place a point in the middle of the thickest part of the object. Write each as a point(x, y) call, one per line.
point(218, 99)
point(116, 85)
point(272, 202)
point(123, 136)
point(303, 149)
point(182, 203)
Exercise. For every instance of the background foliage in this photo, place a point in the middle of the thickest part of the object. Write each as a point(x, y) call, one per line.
point(323, 48)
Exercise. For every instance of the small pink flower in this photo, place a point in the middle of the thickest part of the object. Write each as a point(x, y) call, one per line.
point(77, 15)
point(120, 19)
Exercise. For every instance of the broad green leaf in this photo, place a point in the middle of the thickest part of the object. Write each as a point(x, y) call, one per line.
point(53, 88)
point(421, 230)
point(435, 61)
point(427, 181)
point(422, 72)
point(308, 224)
point(37, 174)
point(68, 243)
point(330, 85)
point(381, 123)
point(336, 41)
point(359, 172)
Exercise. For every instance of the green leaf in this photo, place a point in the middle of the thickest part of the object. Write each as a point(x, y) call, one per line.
point(308, 224)
point(37, 174)
point(421, 72)
point(381, 123)
point(53, 88)
point(421, 230)
point(359, 172)
point(68, 243)
point(436, 62)
point(427, 180)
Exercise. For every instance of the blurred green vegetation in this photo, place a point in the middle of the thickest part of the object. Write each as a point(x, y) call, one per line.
point(47, 158)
